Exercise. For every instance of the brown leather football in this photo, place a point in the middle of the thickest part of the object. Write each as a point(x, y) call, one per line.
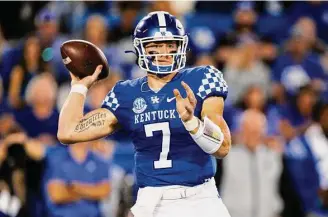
point(82, 58)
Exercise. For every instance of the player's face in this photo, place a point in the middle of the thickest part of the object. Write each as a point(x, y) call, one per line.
point(165, 48)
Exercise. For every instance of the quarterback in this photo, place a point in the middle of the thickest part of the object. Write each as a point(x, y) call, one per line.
point(174, 115)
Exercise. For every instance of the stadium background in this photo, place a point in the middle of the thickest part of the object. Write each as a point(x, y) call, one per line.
point(272, 54)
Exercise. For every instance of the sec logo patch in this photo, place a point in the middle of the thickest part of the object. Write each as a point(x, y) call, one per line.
point(139, 105)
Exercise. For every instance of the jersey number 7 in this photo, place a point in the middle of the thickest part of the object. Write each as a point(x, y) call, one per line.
point(163, 162)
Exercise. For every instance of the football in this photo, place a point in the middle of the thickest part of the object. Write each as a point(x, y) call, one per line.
point(82, 58)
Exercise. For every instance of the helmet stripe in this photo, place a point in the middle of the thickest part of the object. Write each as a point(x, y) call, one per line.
point(161, 21)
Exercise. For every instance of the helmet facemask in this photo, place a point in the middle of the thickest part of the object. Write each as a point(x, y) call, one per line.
point(149, 61)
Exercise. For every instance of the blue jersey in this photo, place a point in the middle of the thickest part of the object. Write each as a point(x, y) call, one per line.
point(165, 153)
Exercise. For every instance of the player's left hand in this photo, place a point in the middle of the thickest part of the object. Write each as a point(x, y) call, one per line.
point(185, 106)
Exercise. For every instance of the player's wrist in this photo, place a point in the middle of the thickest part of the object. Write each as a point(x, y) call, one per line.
point(191, 124)
point(79, 88)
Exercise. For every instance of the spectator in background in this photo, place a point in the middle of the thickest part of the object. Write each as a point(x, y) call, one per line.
point(254, 98)
point(96, 32)
point(308, 26)
point(224, 51)
point(75, 181)
point(22, 176)
point(316, 10)
point(296, 115)
point(9, 58)
point(245, 68)
point(30, 65)
point(268, 51)
point(12, 180)
point(128, 18)
point(245, 19)
point(40, 112)
point(307, 164)
point(47, 27)
point(39, 119)
point(251, 172)
point(297, 67)
point(121, 35)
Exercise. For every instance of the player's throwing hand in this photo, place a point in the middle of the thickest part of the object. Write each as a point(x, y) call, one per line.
point(88, 80)
point(185, 106)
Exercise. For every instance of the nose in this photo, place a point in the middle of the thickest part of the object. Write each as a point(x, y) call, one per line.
point(165, 50)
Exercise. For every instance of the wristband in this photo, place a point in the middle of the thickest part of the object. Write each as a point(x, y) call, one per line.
point(192, 124)
point(79, 88)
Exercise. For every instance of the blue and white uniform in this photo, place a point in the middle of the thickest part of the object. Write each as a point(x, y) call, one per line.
point(174, 175)
point(165, 152)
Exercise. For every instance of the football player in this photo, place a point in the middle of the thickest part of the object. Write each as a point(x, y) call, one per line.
point(174, 117)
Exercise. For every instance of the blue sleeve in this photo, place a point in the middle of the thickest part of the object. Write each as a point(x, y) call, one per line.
point(212, 83)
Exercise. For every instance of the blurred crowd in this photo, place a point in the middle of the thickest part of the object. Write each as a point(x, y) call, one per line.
point(272, 54)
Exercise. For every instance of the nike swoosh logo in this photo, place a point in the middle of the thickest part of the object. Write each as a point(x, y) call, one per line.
point(170, 99)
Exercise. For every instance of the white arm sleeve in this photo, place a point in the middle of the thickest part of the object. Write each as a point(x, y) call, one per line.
point(209, 136)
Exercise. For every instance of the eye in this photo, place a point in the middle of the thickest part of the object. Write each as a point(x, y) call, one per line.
point(172, 46)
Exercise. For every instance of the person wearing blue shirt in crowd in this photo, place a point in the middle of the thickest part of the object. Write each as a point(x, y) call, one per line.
point(47, 30)
point(295, 116)
point(40, 111)
point(307, 162)
point(317, 10)
point(22, 73)
point(297, 67)
point(76, 179)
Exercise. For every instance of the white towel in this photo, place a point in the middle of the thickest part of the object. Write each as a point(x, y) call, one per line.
point(147, 200)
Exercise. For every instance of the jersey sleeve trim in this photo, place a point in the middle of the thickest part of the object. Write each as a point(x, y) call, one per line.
point(111, 102)
point(212, 84)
